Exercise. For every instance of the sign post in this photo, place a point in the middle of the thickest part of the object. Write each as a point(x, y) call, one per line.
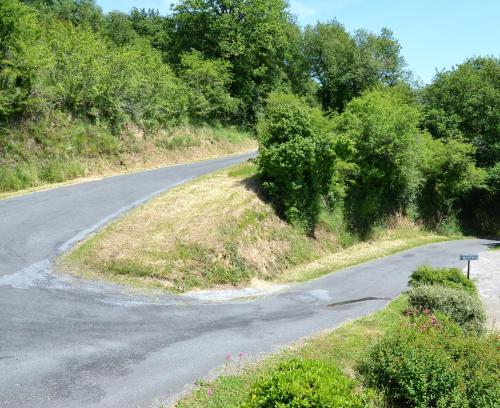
point(469, 258)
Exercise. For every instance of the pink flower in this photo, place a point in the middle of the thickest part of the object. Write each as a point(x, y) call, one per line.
point(229, 357)
point(241, 355)
point(210, 392)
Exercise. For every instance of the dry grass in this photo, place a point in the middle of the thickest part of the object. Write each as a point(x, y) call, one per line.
point(182, 145)
point(219, 231)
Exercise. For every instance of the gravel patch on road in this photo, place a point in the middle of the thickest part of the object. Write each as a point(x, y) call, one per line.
point(486, 273)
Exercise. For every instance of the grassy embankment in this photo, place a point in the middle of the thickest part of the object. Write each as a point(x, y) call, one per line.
point(220, 231)
point(343, 347)
point(38, 157)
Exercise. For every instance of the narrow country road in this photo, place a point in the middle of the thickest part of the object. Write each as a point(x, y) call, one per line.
point(66, 342)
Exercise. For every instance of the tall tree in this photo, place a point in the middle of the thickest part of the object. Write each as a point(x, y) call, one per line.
point(252, 35)
point(467, 99)
point(77, 11)
point(346, 65)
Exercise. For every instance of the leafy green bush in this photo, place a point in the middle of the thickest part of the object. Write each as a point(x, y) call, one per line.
point(463, 308)
point(450, 173)
point(479, 360)
point(303, 384)
point(296, 159)
point(381, 127)
point(451, 277)
point(428, 363)
point(208, 81)
point(414, 370)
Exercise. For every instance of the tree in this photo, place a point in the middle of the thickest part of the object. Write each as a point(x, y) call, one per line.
point(332, 57)
point(208, 80)
point(449, 174)
point(118, 28)
point(381, 127)
point(251, 35)
point(79, 12)
point(296, 158)
point(149, 24)
point(22, 56)
point(466, 99)
point(347, 65)
point(380, 56)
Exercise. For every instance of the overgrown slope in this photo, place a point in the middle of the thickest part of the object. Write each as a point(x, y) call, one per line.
point(63, 149)
point(219, 230)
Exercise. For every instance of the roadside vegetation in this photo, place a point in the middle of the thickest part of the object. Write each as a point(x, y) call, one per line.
point(338, 116)
point(414, 353)
point(221, 230)
point(68, 156)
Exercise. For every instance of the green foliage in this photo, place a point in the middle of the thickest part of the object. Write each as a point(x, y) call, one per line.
point(78, 12)
point(380, 135)
point(347, 65)
point(479, 360)
point(463, 308)
point(450, 173)
point(467, 99)
point(252, 35)
point(127, 84)
point(427, 363)
point(208, 81)
point(301, 384)
point(118, 28)
point(296, 158)
point(21, 57)
point(450, 277)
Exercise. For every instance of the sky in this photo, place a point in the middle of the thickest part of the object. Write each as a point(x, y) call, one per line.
point(434, 34)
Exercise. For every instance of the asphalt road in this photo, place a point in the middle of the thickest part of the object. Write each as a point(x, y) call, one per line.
point(66, 342)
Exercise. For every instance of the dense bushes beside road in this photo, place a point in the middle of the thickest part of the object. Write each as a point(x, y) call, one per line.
point(439, 356)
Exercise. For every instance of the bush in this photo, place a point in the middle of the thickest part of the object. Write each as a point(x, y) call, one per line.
point(463, 308)
point(427, 363)
point(413, 369)
point(382, 128)
point(479, 360)
point(301, 384)
point(450, 277)
point(296, 158)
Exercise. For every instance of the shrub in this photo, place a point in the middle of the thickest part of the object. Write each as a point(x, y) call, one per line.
point(432, 365)
point(413, 369)
point(462, 307)
point(479, 360)
point(451, 277)
point(301, 384)
point(382, 128)
point(296, 159)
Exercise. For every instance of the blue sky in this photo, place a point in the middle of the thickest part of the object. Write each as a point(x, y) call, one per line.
point(435, 34)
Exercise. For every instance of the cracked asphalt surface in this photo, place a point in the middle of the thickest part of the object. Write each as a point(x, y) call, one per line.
point(67, 342)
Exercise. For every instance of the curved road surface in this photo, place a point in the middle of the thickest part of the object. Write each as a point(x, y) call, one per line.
point(72, 343)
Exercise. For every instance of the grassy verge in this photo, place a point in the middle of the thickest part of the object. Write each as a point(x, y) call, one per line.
point(64, 154)
point(343, 347)
point(220, 231)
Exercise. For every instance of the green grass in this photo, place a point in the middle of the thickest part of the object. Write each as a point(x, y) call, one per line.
point(58, 148)
point(344, 347)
